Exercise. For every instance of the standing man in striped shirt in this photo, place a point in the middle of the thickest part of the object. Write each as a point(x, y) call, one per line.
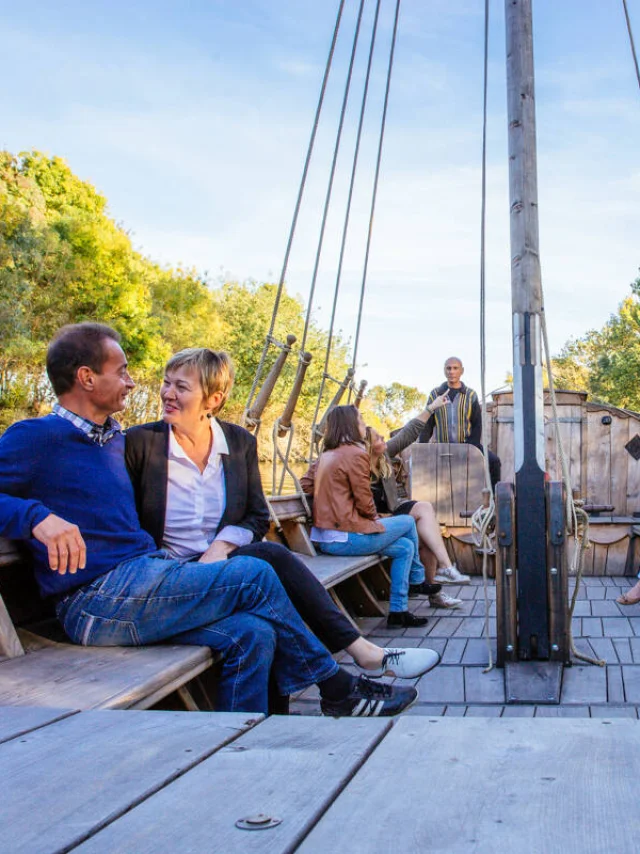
point(460, 421)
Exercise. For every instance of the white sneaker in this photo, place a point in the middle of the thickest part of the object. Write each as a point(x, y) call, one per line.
point(451, 575)
point(441, 600)
point(405, 663)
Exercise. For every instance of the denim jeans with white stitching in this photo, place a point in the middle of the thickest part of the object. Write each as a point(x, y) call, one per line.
point(399, 541)
point(237, 607)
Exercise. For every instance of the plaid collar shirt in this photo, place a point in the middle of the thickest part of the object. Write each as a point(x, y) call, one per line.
point(98, 433)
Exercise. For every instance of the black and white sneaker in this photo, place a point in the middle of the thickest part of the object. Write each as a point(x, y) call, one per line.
point(370, 699)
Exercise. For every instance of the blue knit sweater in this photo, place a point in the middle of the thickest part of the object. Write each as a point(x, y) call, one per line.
point(47, 465)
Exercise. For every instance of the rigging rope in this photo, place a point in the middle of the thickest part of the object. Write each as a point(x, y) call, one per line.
point(374, 195)
point(303, 181)
point(577, 520)
point(483, 517)
point(345, 227)
point(631, 40)
point(332, 173)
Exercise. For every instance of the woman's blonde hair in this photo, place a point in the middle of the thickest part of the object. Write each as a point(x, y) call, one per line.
point(379, 465)
point(214, 369)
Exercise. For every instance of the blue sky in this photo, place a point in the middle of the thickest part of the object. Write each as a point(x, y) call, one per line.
point(193, 119)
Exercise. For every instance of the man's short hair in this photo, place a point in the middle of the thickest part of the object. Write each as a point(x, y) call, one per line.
point(77, 345)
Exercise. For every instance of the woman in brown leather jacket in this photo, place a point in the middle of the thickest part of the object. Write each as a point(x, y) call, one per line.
point(345, 518)
point(385, 496)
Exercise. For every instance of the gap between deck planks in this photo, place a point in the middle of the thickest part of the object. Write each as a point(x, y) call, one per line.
point(63, 782)
point(292, 768)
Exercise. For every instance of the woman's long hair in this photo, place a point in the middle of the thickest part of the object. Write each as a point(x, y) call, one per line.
point(342, 428)
point(378, 465)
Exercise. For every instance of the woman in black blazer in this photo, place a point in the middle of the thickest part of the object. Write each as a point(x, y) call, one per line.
point(198, 494)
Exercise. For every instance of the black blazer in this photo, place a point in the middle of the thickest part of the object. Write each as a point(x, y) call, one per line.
point(146, 454)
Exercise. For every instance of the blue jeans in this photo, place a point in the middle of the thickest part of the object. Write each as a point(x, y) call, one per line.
point(400, 542)
point(237, 607)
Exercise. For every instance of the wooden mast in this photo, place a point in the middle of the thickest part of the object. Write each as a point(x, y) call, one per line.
point(526, 295)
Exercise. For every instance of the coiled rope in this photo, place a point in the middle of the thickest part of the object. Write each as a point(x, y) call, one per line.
point(576, 519)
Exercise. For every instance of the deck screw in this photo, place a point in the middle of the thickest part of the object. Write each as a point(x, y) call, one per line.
point(509, 647)
point(260, 821)
point(508, 572)
point(555, 647)
point(553, 570)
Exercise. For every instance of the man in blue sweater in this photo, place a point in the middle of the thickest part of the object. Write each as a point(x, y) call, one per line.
point(64, 489)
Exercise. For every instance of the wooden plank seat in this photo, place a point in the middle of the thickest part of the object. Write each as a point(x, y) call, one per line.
point(356, 584)
point(291, 523)
point(39, 668)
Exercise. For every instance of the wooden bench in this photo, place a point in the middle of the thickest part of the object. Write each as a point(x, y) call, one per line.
point(356, 584)
point(39, 667)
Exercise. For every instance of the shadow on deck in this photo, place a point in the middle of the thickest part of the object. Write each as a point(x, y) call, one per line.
point(458, 687)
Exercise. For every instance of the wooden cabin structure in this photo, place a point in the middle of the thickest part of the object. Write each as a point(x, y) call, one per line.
point(602, 447)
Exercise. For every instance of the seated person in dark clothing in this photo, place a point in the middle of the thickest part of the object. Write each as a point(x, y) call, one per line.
point(460, 421)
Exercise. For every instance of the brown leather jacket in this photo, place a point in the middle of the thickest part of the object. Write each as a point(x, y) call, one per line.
point(342, 498)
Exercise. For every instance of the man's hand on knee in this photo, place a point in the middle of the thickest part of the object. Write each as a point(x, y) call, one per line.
point(67, 549)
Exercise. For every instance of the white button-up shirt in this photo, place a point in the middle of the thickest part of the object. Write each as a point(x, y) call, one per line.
point(196, 500)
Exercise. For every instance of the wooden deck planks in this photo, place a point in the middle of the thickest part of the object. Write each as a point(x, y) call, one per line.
point(63, 782)
point(291, 768)
point(519, 785)
point(16, 721)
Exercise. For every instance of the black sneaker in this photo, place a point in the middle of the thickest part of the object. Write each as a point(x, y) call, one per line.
point(405, 619)
point(423, 589)
point(370, 699)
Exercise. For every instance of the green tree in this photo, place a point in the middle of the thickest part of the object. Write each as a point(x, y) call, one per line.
point(64, 260)
point(606, 362)
point(246, 308)
point(389, 407)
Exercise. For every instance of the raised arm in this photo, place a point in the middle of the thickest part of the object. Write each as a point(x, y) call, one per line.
point(420, 426)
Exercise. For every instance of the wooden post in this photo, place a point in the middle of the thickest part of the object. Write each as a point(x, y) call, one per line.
point(251, 417)
point(360, 394)
point(285, 419)
point(9, 641)
point(526, 294)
